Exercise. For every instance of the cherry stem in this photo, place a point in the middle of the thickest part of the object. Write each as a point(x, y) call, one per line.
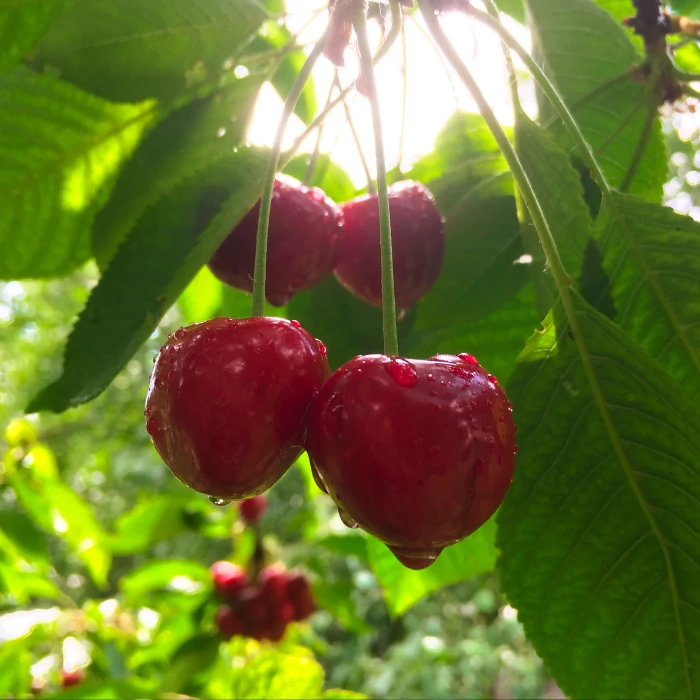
point(308, 175)
point(258, 305)
point(391, 341)
point(404, 94)
point(358, 146)
point(559, 274)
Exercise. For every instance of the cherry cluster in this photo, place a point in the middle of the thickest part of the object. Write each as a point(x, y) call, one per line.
point(263, 610)
point(419, 453)
point(309, 237)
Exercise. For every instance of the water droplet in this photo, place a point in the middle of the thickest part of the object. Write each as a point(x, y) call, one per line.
point(431, 378)
point(347, 520)
point(296, 324)
point(400, 315)
point(501, 420)
point(153, 426)
point(219, 501)
point(402, 372)
point(469, 359)
point(180, 333)
point(322, 347)
point(415, 560)
point(516, 449)
point(443, 384)
point(492, 379)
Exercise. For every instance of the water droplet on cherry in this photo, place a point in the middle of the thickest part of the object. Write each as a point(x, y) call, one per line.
point(180, 333)
point(415, 560)
point(433, 393)
point(322, 347)
point(431, 378)
point(492, 379)
point(296, 324)
point(153, 426)
point(516, 449)
point(469, 359)
point(220, 502)
point(402, 372)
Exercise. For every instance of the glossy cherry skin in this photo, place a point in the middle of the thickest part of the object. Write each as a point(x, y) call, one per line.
point(301, 246)
point(252, 509)
point(419, 453)
point(228, 402)
point(229, 580)
point(418, 245)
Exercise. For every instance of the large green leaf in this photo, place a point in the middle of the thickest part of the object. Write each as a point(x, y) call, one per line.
point(403, 588)
point(599, 532)
point(60, 149)
point(22, 24)
point(182, 144)
point(159, 574)
point(558, 188)
point(652, 257)
point(132, 50)
point(171, 241)
point(689, 8)
point(584, 50)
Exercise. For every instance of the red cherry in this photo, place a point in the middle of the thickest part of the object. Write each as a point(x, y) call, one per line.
point(254, 608)
point(229, 580)
point(252, 509)
point(419, 452)
point(301, 247)
point(73, 677)
point(228, 622)
point(339, 31)
point(228, 402)
point(300, 596)
point(418, 244)
point(273, 583)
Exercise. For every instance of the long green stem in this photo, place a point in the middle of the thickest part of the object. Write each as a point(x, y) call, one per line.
point(559, 274)
point(391, 341)
point(358, 147)
point(311, 167)
point(258, 305)
point(551, 92)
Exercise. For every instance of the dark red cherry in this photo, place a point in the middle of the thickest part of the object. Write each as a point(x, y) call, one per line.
point(419, 453)
point(418, 244)
point(71, 678)
point(228, 622)
point(300, 596)
point(228, 402)
point(229, 580)
point(301, 246)
point(252, 509)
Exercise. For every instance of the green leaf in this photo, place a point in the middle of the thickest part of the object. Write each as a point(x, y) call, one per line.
point(586, 54)
point(403, 588)
point(57, 509)
point(558, 189)
point(130, 50)
point(274, 675)
point(164, 251)
point(25, 586)
point(158, 575)
point(22, 540)
point(495, 340)
point(150, 521)
point(195, 656)
point(22, 24)
point(184, 143)
point(689, 8)
point(652, 257)
point(514, 8)
point(202, 297)
point(61, 149)
point(599, 531)
point(352, 544)
point(336, 598)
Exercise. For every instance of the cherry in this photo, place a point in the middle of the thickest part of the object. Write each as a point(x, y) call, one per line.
point(273, 583)
point(301, 248)
point(228, 402)
point(71, 678)
point(229, 580)
point(339, 31)
point(419, 453)
point(299, 593)
point(252, 509)
point(418, 244)
point(228, 622)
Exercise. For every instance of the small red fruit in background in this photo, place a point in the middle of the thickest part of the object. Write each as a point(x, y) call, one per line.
point(418, 243)
point(419, 453)
point(300, 596)
point(228, 402)
point(301, 247)
point(73, 677)
point(339, 30)
point(228, 622)
point(229, 580)
point(252, 509)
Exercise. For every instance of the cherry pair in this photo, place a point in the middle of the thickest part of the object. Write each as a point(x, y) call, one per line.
point(418, 453)
point(310, 237)
point(263, 610)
